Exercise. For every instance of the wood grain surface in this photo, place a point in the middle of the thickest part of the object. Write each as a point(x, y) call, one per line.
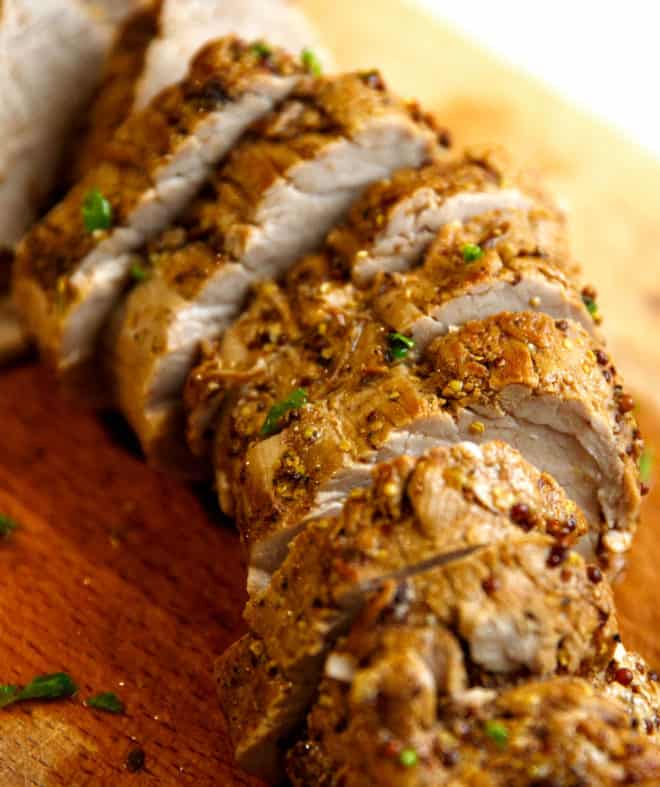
point(131, 581)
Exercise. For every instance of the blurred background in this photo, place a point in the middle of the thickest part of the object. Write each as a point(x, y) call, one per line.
point(603, 56)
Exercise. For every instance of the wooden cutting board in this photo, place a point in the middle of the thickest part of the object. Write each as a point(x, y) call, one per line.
point(131, 582)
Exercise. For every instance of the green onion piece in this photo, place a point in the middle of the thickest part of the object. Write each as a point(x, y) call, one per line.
point(96, 212)
point(311, 63)
point(106, 701)
point(408, 758)
point(139, 273)
point(294, 401)
point(590, 303)
point(400, 345)
point(645, 466)
point(498, 733)
point(7, 526)
point(472, 252)
point(45, 687)
point(261, 49)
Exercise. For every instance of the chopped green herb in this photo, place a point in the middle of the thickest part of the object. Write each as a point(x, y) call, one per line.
point(498, 733)
point(645, 466)
point(471, 252)
point(45, 687)
point(311, 63)
point(139, 273)
point(408, 758)
point(107, 701)
point(400, 345)
point(261, 50)
point(590, 303)
point(7, 526)
point(294, 401)
point(96, 211)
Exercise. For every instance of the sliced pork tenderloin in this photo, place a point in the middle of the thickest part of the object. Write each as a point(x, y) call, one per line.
point(292, 178)
point(516, 609)
point(115, 96)
point(542, 385)
point(187, 25)
point(501, 259)
point(393, 722)
point(72, 267)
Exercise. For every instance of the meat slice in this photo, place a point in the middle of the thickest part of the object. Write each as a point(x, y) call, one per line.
point(493, 263)
point(403, 215)
point(290, 180)
point(395, 723)
point(187, 25)
point(115, 96)
point(454, 497)
point(542, 385)
point(47, 46)
point(70, 271)
point(515, 610)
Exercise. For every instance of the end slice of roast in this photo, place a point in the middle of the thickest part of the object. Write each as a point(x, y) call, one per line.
point(287, 183)
point(514, 613)
point(67, 278)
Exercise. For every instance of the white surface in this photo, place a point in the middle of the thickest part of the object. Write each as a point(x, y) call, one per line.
point(603, 56)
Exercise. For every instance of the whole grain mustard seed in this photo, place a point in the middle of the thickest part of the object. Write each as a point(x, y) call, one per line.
point(390, 489)
point(477, 427)
point(535, 302)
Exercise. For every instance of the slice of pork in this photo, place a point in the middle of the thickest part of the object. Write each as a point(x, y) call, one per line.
point(454, 497)
point(187, 25)
point(67, 278)
point(47, 47)
point(509, 270)
point(288, 182)
point(516, 611)
point(404, 214)
point(115, 96)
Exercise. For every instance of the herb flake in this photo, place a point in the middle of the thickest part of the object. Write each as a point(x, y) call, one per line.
point(294, 401)
point(7, 526)
point(262, 50)
point(107, 701)
point(498, 733)
point(408, 758)
point(590, 303)
point(400, 345)
point(138, 272)
point(311, 63)
point(96, 212)
point(45, 687)
point(472, 252)
point(645, 466)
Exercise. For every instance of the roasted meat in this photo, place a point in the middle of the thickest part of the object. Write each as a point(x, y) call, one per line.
point(515, 608)
point(282, 188)
point(71, 268)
